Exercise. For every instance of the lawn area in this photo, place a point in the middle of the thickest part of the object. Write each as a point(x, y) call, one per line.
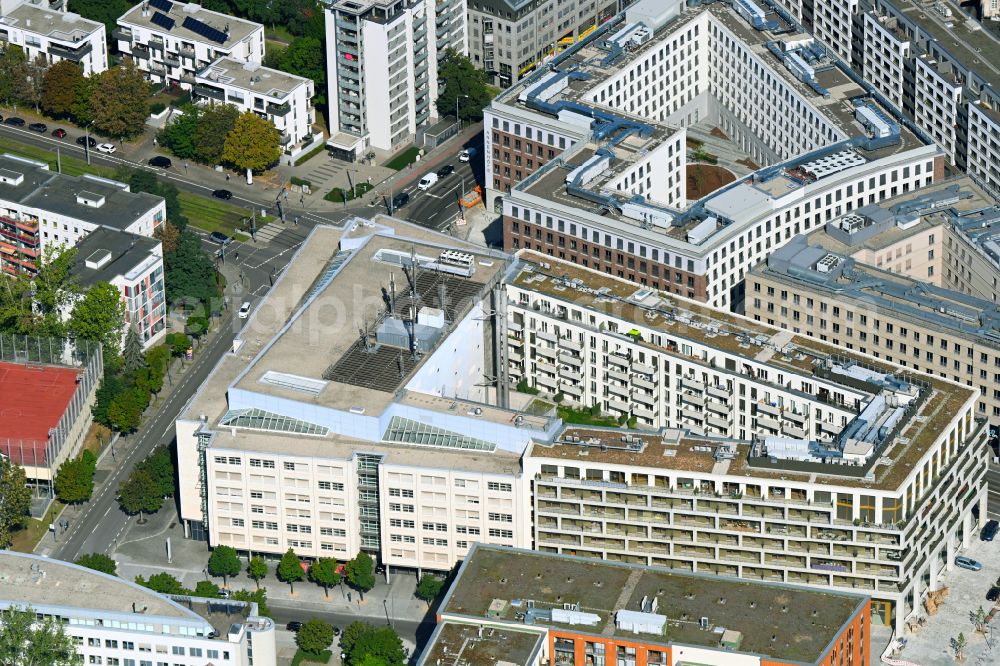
point(97, 437)
point(403, 158)
point(337, 194)
point(301, 656)
point(584, 417)
point(71, 166)
point(26, 539)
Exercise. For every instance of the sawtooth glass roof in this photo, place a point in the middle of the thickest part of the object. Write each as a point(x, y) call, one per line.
point(408, 431)
point(258, 419)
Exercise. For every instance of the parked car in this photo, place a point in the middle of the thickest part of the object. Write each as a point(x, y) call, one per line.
point(244, 310)
point(294, 625)
point(160, 161)
point(224, 593)
point(86, 140)
point(59, 133)
point(41, 128)
point(14, 121)
point(968, 563)
point(427, 181)
point(446, 170)
point(989, 530)
point(993, 594)
point(222, 194)
point(220, 238)
point(466, 154)
point(106, 148)
point(400, 200)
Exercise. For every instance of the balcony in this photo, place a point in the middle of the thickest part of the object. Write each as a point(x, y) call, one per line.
point(639, 382)
point(692, 398)
point(618, 391)
point(692, 384)
point(187, 52)
point(719, 393)
point(768, 410)
point(122, 34)
point(618, 406)
point(66, 53)
point(570, 360)
point(546, 352)
point(618, 361)
point(569, 375)
point(570, 345)
point(718, 408)
point(768, 423)
point(618, 376)
point(279, 109)
point(643, 369)
point(171, 60)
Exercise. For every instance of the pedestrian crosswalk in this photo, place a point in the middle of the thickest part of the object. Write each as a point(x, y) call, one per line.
point(269, 231)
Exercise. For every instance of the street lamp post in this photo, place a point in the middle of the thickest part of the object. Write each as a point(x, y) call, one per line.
point(457, 119)
point(385, 606)
point(86, 141)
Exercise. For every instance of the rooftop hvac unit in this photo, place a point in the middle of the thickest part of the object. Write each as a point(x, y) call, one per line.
point(827, 263)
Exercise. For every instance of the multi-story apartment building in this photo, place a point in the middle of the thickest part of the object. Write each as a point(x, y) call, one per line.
point(528, 608)
point(44, 28)
point(510, 38)
point(990, 9)
point(282, 98)
point(134, 265)
point(40, 208)
point(451, 32)
point(382, 58)
point(883, 281)
point(948, 82)
point(173, 41)
point(571, 151)
point(114, 621)
point(46, 395)
point(783, 458)
point(317, 436)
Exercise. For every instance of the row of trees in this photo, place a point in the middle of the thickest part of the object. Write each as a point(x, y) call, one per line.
point(149, 484)
point(220, 134)
point(165, 583)
point(15, 500)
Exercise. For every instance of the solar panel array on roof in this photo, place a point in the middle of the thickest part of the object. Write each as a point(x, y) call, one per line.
point(162, 5)
point(205, 30)
point(163, 21)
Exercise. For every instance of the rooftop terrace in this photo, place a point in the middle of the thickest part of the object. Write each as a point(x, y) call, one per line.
point(251, 76)
point(783, 622)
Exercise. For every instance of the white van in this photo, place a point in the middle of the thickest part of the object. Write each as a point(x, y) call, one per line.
point(428, 180)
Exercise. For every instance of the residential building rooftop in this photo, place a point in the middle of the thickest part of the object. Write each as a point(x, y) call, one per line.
point(930, 402)
point(56, 25)
point(104, 254)
point(454, 643)
point(253, 77)
point(191, 22)
point(603, 598)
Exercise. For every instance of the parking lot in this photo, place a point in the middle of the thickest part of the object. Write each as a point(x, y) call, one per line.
point(967, 592)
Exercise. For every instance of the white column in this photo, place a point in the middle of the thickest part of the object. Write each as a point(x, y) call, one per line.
point(967, 529)
point(950, 561)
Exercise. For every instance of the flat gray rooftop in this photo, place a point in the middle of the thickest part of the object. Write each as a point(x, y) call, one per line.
point(467, 644)
point(262, 80)
point(64, 27)
point(235, 29)
point(126, 251)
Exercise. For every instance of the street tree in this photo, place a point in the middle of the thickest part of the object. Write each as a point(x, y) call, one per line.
point(35, 81)
point(160, 466)
point(257, 570)
point(13, 75)
point(314, 636)
point(324, 572)
point(168, 235)
point(188, 272)
point(361, 573)
point(206, 589)
point(214, 125)
point(225, 562)
point(15, 499)
point(464, 83)
point(429, 588)
point(74, 482)
point(258, 596)
point(82, 111)
point(253, 144)
point(120, 102)
point(959, 644)
point(139, 494)
point(26, 640)
point(51, 293)
point(59, 87)
point(99, 317)
point(98, 562)
point(290, 569)
point(132, 351)
point(360, 641)
point(978, 619)
point(180, 135)
point(162, 582)
point(125, 411)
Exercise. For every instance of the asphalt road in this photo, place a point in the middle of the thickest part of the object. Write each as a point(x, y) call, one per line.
point(68, 146)
point(412, 631)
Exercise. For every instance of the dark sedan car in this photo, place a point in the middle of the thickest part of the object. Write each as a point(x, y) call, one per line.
point(15, 122)
point(160, 161)
point(222, 194)
point(83, 140)
point(400, 200)
point(59, 133)
point(41, 128)
point(294, 625)
point(446, 170)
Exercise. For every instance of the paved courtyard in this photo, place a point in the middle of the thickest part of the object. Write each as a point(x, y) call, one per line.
point(931, 645)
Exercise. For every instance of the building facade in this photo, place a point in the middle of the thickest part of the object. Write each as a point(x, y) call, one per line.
point(113, 621)
point(173, 41)
point(44, 28)
point(283, 99)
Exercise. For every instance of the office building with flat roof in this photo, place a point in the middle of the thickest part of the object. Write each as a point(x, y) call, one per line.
point(114, 621)
point(783, 458)
point(575, 611)
point(45, 28)
point(588, 160)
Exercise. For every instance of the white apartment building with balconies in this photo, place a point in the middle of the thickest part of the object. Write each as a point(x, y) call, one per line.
point(53, 33)
point(283, 99)
point(174, 41)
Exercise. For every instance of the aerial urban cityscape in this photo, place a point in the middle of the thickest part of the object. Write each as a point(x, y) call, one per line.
point(499, 332)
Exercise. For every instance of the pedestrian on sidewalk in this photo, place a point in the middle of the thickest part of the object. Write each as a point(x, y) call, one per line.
point(227, 177)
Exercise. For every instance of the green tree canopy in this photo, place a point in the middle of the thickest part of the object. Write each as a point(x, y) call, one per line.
point(102, 11)
point(324, 572)
point(214, 125)
point(258, 596)
point(257, 569)
point(83, 109)
point(125, 410)
point(139, 494)
point(59, 88)
point(361, 572)
point(13, 75)
point(462, 82)
point(160, 466)
point(225, 562)
point(360, 641)
point(120, 102)
point(100, 317)
point(188, 272)
point(162, 582)
point(305, 56)
point(36, 306)
point(253, 144)
point(290, 569)
point(15, 499)
point(74, 482)
point(180, 135)
point(429, 588)
point(98, 562)
point(314, 636)
point(132, 352)
point(207, 589)
point(27, 641)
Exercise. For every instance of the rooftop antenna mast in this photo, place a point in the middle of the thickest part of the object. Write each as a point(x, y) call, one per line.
point(392, 293)
point(365, 338)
